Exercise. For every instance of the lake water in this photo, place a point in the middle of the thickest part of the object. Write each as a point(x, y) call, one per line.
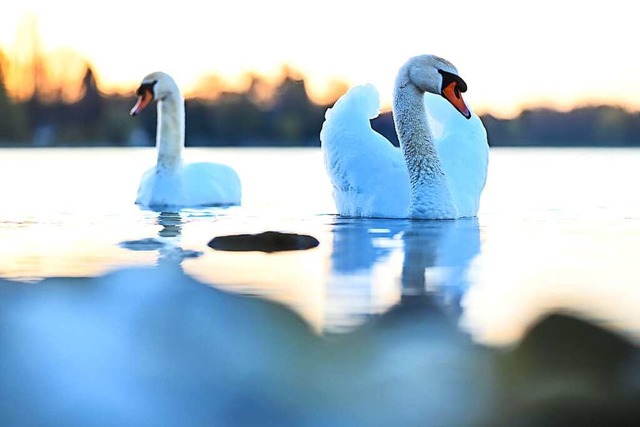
point(558, 231)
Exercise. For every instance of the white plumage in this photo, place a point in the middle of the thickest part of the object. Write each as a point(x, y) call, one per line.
point(170, 184)
point(372, 178)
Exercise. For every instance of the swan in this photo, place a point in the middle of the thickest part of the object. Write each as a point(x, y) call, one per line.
point(440, 169)
point(170, 184)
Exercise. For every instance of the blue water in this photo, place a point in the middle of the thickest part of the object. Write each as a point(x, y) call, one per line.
point(112, 315)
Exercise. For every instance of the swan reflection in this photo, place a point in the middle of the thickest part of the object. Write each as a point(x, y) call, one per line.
point(437, 256)
point(168, 243)
point(376, 264)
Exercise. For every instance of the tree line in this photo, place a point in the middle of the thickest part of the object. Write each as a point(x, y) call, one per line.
point(285, 116)
point(593, 126)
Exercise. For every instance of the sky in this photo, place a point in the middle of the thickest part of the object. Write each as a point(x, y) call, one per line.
point(512, 54)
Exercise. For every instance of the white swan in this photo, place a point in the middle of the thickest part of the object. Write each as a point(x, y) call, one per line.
point(170, 184)
point(441, 168)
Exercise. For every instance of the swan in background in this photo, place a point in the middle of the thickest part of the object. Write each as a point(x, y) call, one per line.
point(170, 183)
point(441, 168)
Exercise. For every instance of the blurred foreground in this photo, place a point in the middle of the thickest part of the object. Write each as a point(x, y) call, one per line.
point(152, 346)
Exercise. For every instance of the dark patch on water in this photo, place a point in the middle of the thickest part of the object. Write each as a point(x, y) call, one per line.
point(269, 241)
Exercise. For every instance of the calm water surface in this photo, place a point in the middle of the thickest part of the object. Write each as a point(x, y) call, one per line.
point(557, 229)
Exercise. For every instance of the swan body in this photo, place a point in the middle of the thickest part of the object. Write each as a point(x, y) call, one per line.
point(440, 170)
point(170, 183)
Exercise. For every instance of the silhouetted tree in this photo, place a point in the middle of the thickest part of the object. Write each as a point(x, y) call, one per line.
point(13, 125)
point(296, 119)
point(90, 107)
point(585, 126)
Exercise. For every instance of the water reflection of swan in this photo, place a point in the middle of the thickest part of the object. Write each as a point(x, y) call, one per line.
point(437, 258)
point(371, 258)
point(168, 245)
point(171, 223)
point(170, 184)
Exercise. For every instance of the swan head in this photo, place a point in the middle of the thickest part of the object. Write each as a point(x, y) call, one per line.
point(436, 75)
point(156, 86)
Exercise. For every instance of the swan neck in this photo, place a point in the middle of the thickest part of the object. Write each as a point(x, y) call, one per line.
point(426, 174)
point(411, 118)
point(170, 132)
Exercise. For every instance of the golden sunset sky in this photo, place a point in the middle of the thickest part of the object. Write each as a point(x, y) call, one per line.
point(512, 54)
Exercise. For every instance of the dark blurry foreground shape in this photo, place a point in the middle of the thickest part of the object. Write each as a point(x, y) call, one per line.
point(152, 346)
point(269, 241)
point(147, 347)
point(568, 372)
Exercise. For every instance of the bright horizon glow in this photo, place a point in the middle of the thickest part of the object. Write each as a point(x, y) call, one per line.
point(512, 55)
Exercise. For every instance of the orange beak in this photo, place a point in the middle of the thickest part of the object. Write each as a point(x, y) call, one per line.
point(144, 99)
point(452, 93)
